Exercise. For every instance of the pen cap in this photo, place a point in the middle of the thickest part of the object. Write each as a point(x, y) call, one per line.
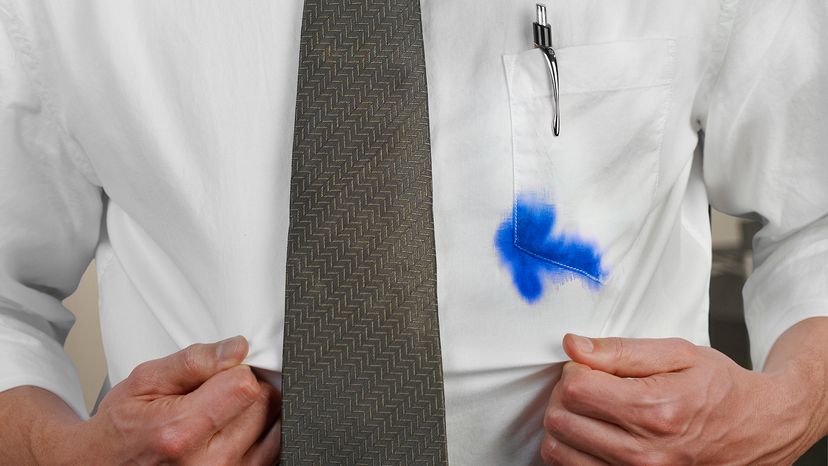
point(542, 35)
point(540, 29)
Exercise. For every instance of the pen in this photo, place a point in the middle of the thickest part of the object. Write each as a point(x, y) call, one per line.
point(543, 40)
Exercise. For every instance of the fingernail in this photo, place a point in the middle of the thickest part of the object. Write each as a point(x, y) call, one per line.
point(583, 344)
point(228, 349)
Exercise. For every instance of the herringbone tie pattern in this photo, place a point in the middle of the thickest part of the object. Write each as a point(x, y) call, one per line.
point(362, 376)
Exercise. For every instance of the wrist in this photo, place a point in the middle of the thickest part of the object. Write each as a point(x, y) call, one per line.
point(61, 441)
point(68, 440)
point(797, 391)
point(811, 380)
point(33, 417)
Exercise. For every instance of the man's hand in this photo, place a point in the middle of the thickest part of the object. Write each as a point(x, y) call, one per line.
point(197, 406)
point(669, 402)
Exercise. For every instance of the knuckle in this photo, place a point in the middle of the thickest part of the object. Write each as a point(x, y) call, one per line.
point(665, 419)
point(143, 377)
point(553, 420)
point(683, 347)
point(248, 388)
point(171, 442)
point(571, 390)
point(191, 358)
point(142, 372)
point(568, 368)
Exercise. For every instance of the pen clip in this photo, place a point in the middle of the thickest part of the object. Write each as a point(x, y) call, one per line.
point(552, 64)
point(543, 40)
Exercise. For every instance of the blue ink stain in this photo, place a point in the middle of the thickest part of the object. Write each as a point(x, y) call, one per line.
point(529, 248)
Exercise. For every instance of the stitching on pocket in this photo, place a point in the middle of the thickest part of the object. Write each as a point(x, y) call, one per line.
point(551, 261)
point(668, 106)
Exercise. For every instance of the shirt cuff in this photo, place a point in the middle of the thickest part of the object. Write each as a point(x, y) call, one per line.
point(789, 287)
point(30, 357)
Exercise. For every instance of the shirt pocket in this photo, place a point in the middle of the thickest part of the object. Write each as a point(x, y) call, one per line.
point(594, 184)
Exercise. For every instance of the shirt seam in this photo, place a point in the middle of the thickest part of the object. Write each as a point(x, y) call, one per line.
point(31, 65)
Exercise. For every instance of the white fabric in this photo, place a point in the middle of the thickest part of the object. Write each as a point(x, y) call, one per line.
point(156, 136)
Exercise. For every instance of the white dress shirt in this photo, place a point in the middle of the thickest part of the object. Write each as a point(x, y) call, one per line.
point(156, 136)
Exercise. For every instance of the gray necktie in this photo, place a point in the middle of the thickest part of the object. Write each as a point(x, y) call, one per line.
point(362, 375)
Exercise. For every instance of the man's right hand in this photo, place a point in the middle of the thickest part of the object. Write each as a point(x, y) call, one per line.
point(197, 406)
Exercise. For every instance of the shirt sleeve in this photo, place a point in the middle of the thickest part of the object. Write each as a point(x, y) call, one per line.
point(50, 217)
point(766, 156)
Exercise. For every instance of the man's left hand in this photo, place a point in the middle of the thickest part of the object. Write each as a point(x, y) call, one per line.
point(668, 402)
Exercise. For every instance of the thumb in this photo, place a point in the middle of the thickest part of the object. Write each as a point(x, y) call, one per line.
point(631, 357)
point(185, 370)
